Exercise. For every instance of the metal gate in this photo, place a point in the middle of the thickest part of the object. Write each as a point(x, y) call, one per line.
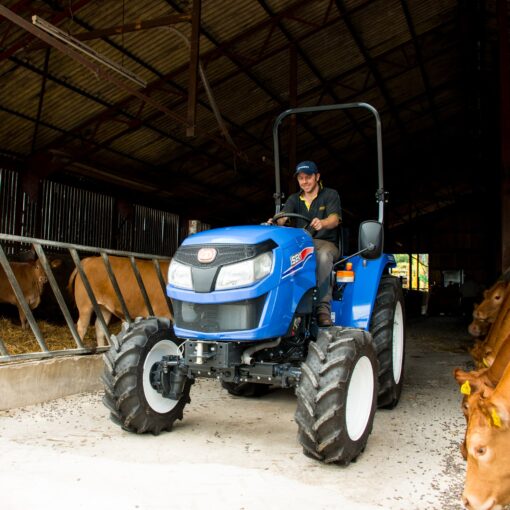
point(42, 248)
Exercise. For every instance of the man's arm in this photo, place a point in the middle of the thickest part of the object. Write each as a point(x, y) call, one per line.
point(334, 212)
point(332, 221)
point(288, 207)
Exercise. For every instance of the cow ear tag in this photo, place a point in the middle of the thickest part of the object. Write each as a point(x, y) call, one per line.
point(485, 363)
point(465, 389)
point(495, 418)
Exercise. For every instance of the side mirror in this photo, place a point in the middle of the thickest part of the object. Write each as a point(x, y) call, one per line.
point(371, 239)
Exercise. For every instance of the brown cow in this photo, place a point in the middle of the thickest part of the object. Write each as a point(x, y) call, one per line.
point(108, 301)
point(481, 383)
point(484, 316)
point(499, 330)
point(493, 298)
point(487, 485)
point(31, 278)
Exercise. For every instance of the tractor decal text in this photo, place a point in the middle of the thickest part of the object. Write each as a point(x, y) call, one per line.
point(298, 260)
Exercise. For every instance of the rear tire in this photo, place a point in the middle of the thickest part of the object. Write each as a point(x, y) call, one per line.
point(133, 403)
point(246, 389)
point(388, 331)
point(337, 395)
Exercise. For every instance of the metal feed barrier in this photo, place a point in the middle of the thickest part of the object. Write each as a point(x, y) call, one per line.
point(73, 250)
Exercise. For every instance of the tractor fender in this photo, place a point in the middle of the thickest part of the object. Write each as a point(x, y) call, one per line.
point(357, 303)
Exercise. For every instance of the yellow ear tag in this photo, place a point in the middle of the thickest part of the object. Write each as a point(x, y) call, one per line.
point(495, 418)
point(465, 389)
point(485, 363)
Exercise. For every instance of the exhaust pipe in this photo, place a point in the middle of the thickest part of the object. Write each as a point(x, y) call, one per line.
point(246, 357)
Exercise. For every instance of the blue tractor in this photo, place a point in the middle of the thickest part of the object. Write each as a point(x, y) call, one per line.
point(244, 299)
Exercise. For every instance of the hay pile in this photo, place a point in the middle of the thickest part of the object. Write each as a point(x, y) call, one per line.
point(57, 337)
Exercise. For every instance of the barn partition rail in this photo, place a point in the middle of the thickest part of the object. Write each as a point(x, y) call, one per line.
point(39, 246)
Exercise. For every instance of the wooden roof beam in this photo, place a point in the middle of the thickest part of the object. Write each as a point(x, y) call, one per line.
point(193, 67)
point(137, 26)
point(26, 39)
point(101, 72)
point(235, 60)
point(57, 144)
point(304, 95)
point(41, 98)
point(114, 111)
point(74, 136)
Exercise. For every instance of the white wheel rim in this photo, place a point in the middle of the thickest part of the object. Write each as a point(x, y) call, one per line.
point(155, 400)
point(360, 396)
point(398, 342)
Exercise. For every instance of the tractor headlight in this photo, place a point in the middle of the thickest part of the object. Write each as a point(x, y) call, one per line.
point(179, 275)
point(246, 272)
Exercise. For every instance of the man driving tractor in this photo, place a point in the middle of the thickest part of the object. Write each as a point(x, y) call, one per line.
point(322, 206)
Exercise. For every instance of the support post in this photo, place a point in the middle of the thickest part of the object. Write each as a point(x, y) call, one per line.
point(292, 104)
point(504, 73)
point(193, 67)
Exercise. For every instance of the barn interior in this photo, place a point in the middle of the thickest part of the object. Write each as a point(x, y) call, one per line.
point(175, 108)
point(127, 125)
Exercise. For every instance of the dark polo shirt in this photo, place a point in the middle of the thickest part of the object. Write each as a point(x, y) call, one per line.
point(326, 203)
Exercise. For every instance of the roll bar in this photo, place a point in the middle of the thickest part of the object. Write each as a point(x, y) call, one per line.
point(380, 195)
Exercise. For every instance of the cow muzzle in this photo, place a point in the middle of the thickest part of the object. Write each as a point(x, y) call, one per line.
point(471, 502)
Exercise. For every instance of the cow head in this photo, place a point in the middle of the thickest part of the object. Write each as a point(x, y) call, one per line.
point(479, 328)
point(487, 485)
point(482, 354)
point(39, 272)
point(474, 385)
point(493, 298)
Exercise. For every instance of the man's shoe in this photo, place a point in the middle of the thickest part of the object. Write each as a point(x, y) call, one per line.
point(324, 320)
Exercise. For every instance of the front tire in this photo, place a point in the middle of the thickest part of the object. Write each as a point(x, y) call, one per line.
point(337, 395)
point(388, 331)
point(133, 403)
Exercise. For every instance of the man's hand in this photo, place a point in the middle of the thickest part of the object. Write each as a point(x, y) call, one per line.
point(316, 224)
point(279, 221)
point(328, 223)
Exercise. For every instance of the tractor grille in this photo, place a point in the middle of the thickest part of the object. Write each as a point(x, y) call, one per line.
point(212, 318)
point(226, 253)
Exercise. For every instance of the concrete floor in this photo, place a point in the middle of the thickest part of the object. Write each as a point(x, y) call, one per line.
point(235, 453)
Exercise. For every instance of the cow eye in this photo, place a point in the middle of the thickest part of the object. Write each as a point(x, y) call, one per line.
point(481, 450)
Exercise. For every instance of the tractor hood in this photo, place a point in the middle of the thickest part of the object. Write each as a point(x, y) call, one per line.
point(253, 234)
point(243, 312)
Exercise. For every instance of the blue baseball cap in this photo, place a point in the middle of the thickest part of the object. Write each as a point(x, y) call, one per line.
point(308, 167)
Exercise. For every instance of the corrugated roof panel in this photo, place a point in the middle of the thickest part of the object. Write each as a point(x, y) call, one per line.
point(17, 132)
point(434, 13)
point(224, 20)
point(336, 41)
point(241, 98)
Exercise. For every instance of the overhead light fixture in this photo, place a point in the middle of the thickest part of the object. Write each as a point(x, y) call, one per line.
point(87, 50)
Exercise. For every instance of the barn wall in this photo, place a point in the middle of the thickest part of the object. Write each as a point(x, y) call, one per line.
point(460, 237)
point(68, 214)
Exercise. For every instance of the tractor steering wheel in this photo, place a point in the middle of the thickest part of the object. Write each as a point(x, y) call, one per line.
point(307, 227)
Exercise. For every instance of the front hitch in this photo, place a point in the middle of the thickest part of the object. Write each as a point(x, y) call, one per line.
point(168, 377)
